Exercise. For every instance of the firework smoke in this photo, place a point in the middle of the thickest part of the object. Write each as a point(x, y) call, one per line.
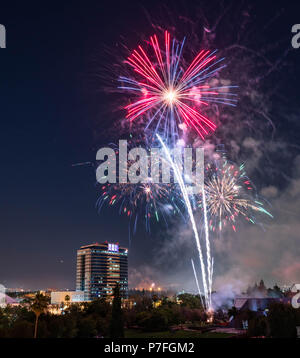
point(192, 219)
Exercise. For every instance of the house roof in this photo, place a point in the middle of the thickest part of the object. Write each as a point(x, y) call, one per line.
point(7, 299)
point(239, 302)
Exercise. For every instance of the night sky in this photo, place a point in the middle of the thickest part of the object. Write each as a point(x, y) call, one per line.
point(54, 112)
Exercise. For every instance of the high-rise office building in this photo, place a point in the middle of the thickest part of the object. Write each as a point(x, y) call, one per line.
point(99, 268)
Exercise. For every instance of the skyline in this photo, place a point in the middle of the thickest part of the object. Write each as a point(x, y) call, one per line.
point(56, 114)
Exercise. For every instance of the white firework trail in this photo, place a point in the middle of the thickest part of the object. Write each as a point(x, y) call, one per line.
point(191, 215)
point(212, 269)
point(208, 255)
point(197, 283)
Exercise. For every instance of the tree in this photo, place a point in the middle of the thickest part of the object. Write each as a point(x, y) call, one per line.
point(262, 288)
point(189, 300)
point(232, 312)
point(38, 306)
point(99, 307)
point(67, 299)
point(4, 323)
point(117, 323)
point(21, 329)
point(258, 327)
point(143, 303)
point(156, 320)
point(100, 311)
point(282, 320)
point(87, 327)
point(155, 298)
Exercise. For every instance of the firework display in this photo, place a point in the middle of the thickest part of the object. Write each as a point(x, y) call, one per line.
point(143, 200)
point(205, 273)
point(171, 95)
point(168, 96)
point(230, 194)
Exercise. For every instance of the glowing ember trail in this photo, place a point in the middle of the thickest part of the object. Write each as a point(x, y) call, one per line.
point(197, 283)
point(208, 255)
point(192, 219)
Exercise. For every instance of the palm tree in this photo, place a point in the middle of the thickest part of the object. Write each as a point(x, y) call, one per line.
point(67, 299)
point(117, 321)
point(39, 306)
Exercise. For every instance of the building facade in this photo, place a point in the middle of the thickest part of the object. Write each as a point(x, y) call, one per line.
point(58, 297)
point(99, 268)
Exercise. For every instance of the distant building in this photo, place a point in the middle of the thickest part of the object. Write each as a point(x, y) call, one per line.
point(7, 300)
point(58, 297)
point(99, 268)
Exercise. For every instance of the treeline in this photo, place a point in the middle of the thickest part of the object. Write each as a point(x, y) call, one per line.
point(149, 314)
point(278, 321)
point(99, 318)
point(76, 322)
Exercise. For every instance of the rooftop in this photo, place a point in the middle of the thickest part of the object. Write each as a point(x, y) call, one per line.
point(105, 245)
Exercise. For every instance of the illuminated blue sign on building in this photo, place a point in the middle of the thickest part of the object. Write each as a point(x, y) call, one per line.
point(113, 247)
